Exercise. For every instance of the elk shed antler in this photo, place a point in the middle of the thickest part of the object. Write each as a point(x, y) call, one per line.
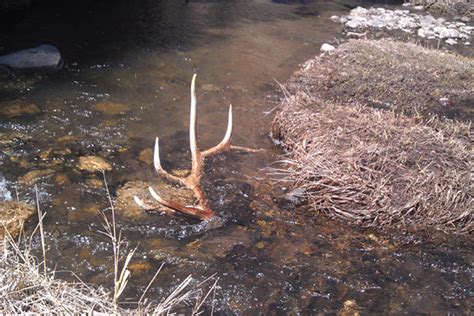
point(202, 211)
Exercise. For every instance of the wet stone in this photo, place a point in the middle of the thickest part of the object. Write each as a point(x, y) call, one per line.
point(13, 215)
point(62, 179)
point(32, 177)
point(13, 138)
point(140, 267)
point(94, 183)
point(94, 164)
point(218, 247)
point(22, 161)
point(43, 57)
point(18, 108)
point(111, 108)
point(67, 139)
point(146, 156)
point(350, 308)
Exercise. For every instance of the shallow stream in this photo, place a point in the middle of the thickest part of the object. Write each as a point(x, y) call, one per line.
point(273, 255)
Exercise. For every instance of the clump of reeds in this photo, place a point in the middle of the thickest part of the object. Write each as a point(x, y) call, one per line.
point(375, 167)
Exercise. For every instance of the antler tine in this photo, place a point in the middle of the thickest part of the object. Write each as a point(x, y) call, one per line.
point(145, 205)
point(157, 164)
point(226, 141)
point(140, 202)
point(192, 125)
point(156, 156)
point(192, 211)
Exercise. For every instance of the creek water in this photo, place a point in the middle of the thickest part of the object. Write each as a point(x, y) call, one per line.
point(273, 254)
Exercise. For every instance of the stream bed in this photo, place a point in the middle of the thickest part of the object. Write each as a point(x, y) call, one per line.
point(127, 71)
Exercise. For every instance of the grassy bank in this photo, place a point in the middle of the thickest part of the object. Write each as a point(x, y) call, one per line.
point(392, 75)
point(355, 153)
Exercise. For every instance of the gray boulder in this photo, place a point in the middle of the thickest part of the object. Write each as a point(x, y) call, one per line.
point(43, 57)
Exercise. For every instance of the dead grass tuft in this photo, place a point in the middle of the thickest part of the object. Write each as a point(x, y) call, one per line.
point(24, 288)
point(371, 166)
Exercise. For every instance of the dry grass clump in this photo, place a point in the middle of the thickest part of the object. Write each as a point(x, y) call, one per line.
point(392, 75)
point(377, 168)
point(24, 288)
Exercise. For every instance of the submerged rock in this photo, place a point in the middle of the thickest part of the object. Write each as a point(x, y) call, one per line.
point(94, 164)
point(127, 207)
point(146, 156)
point(13, 215)
point(45, 57)
point(94, 183)
point(62, 179)
point(13, 138)
point(111, 108)
point(34, 176)
point(18, 108)
point(350, 308)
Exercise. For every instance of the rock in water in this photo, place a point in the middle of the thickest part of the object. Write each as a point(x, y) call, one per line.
point(18, 108)
point(94, 164)
point(43, 57)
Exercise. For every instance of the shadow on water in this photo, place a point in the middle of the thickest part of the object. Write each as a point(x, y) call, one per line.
point(126, 80)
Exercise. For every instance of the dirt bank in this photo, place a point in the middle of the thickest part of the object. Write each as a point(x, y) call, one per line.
point(374, 166)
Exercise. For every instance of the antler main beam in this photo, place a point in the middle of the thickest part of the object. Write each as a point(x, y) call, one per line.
point(201, 211)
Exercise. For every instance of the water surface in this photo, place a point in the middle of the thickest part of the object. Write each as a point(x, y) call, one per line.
point(274, 255)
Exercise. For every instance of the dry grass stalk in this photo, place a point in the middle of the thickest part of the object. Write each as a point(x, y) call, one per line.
point(376, 168)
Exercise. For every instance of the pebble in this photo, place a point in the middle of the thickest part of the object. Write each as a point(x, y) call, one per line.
point(327, 48)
